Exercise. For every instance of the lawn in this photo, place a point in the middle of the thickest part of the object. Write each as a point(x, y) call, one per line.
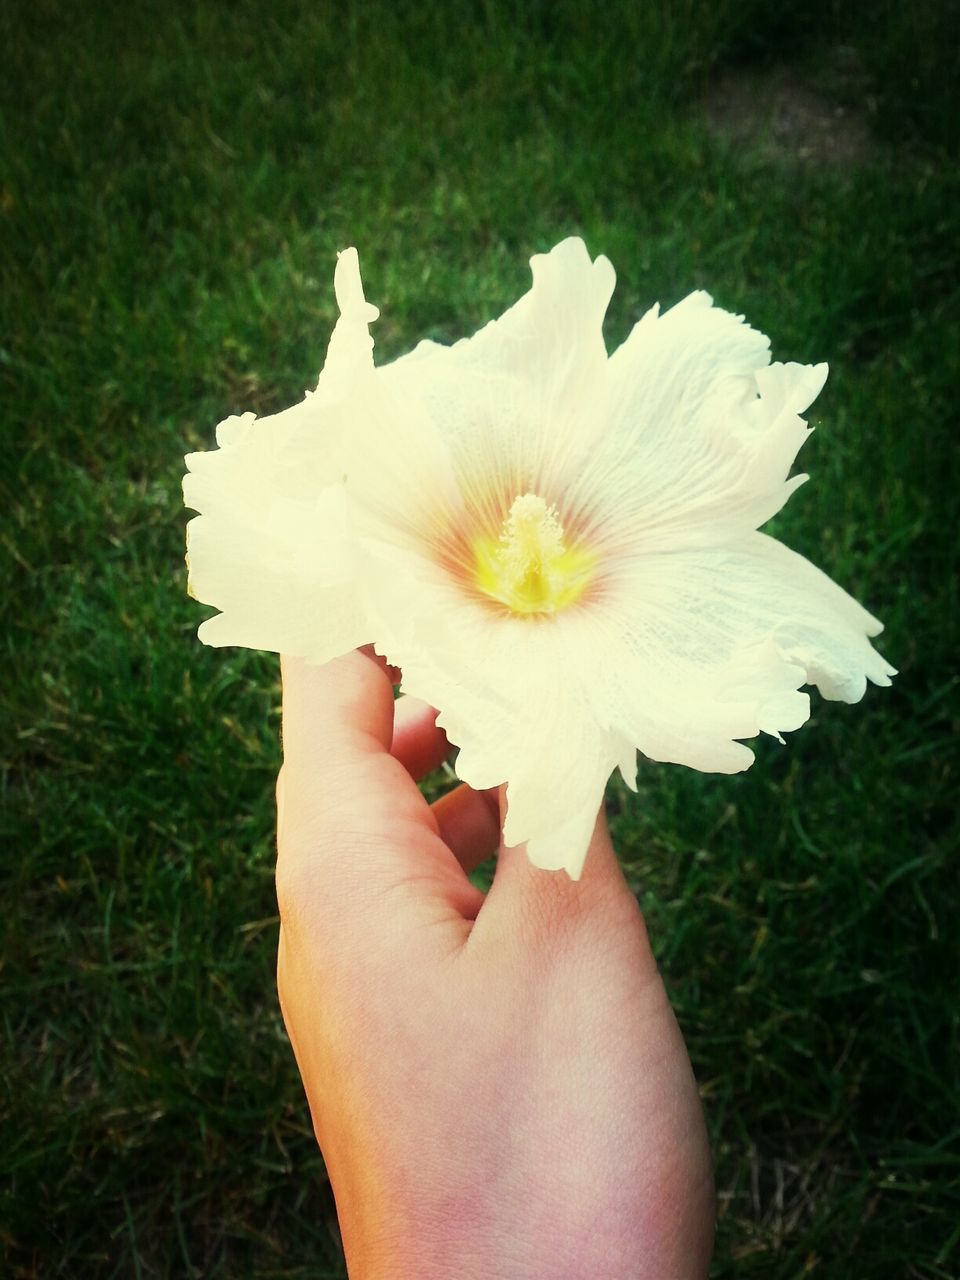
point(175, 180)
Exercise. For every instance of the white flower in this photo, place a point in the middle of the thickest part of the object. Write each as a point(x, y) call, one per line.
point(558, 548)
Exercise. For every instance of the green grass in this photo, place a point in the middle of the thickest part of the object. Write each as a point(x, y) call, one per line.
point(174, 183)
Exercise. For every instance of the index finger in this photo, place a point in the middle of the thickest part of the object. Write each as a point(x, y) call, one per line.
point(353, 828)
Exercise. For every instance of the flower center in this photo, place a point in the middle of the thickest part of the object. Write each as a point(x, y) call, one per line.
point(530, 568)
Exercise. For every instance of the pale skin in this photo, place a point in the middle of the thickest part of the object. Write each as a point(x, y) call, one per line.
point(497, 1082)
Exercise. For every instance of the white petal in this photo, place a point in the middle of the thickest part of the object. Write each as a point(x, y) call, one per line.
point(670, 365)
point(512, 401)
point(289, 587)
point(332, 624)
point(390, 454)
point(294, 453)
point(557, 822)
point(627, 762)
point(258, 457)
point(233, 430)
point(350, 352)
point(552, 329)
point(348, 288)
point(511, 696)
point(702, 647)
point(701, 434)
point(564, 846)
point(272, 548)
point(286, 500)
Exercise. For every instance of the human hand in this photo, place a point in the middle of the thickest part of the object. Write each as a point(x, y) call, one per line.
point(497, 1083)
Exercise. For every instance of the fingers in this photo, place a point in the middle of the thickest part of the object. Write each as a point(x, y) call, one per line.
point(342, 707)
point(382, 663)
point(356, 839)
point(338, 776)
point(417, 742)
point(469, 822)
point(352, 823)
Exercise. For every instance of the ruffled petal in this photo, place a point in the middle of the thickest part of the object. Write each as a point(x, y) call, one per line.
point(700, 434)
point(292, 453)
point(512, 401)
point(289, 588)
point(274, 547)
point(282, 453)
point(702, 647)
point(496, 681)
point(552, 332)
point(350, 351)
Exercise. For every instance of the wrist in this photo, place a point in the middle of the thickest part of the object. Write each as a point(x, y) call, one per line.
point(540, 1242)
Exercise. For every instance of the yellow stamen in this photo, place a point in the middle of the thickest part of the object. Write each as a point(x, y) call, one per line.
point(529, 568)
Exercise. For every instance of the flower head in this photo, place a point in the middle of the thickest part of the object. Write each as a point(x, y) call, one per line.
point(558, 548)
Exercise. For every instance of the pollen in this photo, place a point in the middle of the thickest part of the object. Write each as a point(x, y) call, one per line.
point(530, 568)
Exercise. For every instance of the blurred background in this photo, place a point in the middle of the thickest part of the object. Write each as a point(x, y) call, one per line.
point(175, 181)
